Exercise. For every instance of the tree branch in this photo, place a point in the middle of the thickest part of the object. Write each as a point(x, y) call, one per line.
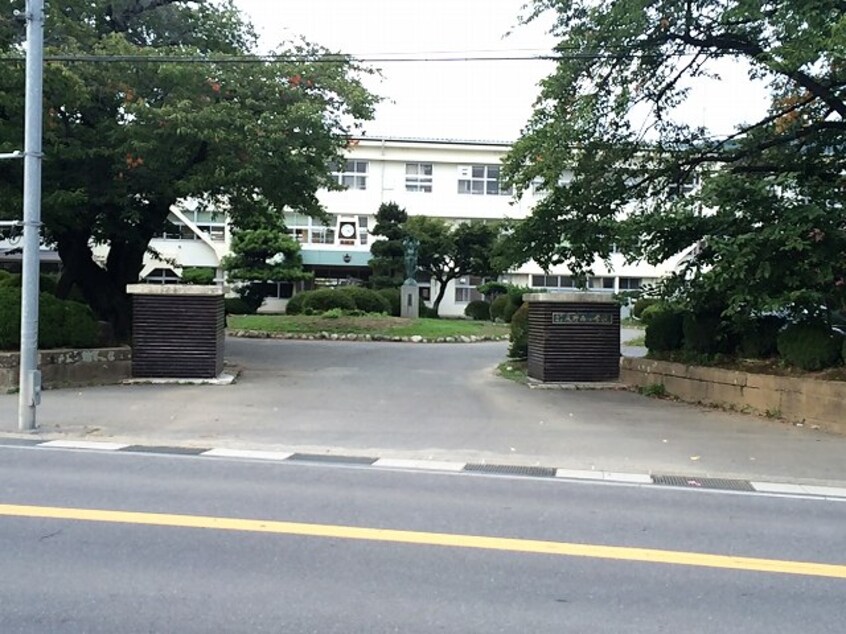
point(120, 19)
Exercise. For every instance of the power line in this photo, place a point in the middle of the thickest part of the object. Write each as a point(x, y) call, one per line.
point(323, 59)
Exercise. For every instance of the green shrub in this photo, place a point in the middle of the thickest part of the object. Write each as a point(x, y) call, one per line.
point(5, 275)
point(367, 300)
point(478, 310)
point(759, 338)
point(519, 348)
point(52, 332)
point(198, 275)
point(664, 331)
point(295, 304)
point(61, 324)
point(334, 313)
point(498, 307)
point(46, 283)
point(810, 346)
point(702, 333)
point(324, 299)
point(237, 306)
point(393, 297)
point(427, 313)
point(81, 326)
point(493, 288)
point(10, 318)
point(642, 304)
point(649, 312)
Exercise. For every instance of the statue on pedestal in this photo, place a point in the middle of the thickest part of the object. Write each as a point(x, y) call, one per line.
point(411, 248)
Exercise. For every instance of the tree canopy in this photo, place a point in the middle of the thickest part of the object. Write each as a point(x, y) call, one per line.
point(387, 262)
point(148, 102)
point(448, 252)
point(759, 212)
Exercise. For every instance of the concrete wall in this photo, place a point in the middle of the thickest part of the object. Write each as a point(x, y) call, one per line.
point(810, 401)
point(68, 368)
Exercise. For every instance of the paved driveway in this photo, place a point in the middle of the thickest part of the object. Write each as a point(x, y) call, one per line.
point(440, 401)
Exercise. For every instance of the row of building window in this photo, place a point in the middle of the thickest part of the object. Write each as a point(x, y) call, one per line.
point(598, 283)
point(479, 180)
point(307, 230)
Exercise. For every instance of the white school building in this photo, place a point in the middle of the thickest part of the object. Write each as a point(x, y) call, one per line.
point(450, 179)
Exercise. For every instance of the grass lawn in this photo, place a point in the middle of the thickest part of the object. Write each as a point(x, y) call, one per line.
point(370, 325)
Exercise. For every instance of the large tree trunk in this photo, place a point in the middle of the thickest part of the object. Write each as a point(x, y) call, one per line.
point(104, 289)
point(442, 286)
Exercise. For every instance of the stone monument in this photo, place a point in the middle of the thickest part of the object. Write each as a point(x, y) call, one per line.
point(409, 292)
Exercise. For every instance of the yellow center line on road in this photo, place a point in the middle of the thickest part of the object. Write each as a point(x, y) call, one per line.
point(419, 538)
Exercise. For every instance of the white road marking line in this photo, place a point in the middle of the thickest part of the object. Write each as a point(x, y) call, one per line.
point(637, 478)
point(247, 453)
point(429, 465)
point(800, 489)
point(579, 474)
point(83, 444)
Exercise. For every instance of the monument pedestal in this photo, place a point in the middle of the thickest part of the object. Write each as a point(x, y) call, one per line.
point(410, 300)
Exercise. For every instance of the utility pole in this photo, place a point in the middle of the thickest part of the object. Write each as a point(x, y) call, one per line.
point(30, 377)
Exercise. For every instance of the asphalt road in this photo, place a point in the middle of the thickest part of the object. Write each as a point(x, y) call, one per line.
point(316, 548)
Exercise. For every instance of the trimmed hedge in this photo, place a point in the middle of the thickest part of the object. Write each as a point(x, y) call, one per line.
point(295, 304)
point(323, 299)
point(478, 310)
point(201, 275)
point(759, 338)
point(702, 333)
point(237, 306)
point(519, 348)
point(61, 323)
point(366, 300)
point(393, 295)
point(665, 330)
point(498, 307)
point(810, 346)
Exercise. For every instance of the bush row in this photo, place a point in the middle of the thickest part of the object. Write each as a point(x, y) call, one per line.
point(61, 323)
point(346, 298)
point(810, 346)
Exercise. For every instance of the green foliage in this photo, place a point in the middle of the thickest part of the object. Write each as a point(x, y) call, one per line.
point(334, 313)
point(759, 337)
point(393, 295)
point(367, 300)
point(387, 263)
point(448, 252)
point(478, 310)
point(664, 331)
point(519, 348)
point(237, 306)
point(323, 299)
point(655, 390)
point(128, 140)
point(296, 304)
point(61, 324)
point(810, 346)
point(702, 332)
point(649, 312)
point(46, 282)
point(498, 307)
point(80, 325)
point(774, 234)
point(493, 289)
point(642, 304)
point(201, 275)
point(426, 312)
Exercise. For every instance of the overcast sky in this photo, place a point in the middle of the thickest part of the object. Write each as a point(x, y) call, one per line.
point(460, 100)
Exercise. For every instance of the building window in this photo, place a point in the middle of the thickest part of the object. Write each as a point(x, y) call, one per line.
point(351, 174)
point(298, 226)
point(481, 180)
point(322, 235)
point(209, 222)
point(603, 283)
point(363, 233)
point(278, 290)
point(162, 276)
point(553, 281)
point(630, 283)
point(418, 177)
point(465, 290)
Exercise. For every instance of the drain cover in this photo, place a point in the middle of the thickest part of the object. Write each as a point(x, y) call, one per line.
point(507, 469)
point(695, 482)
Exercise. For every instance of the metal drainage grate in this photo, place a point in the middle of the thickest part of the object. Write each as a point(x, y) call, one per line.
point(694, 482)
point(182, 451)
point(507, 469)
point(316, 457)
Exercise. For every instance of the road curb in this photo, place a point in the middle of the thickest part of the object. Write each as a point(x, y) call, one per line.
point(441, 466)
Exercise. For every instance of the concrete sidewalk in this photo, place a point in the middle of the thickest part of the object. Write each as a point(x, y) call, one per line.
point(439, 402)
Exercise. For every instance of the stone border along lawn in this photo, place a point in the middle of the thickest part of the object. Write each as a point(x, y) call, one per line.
point(334, 336)
point(365, 328)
